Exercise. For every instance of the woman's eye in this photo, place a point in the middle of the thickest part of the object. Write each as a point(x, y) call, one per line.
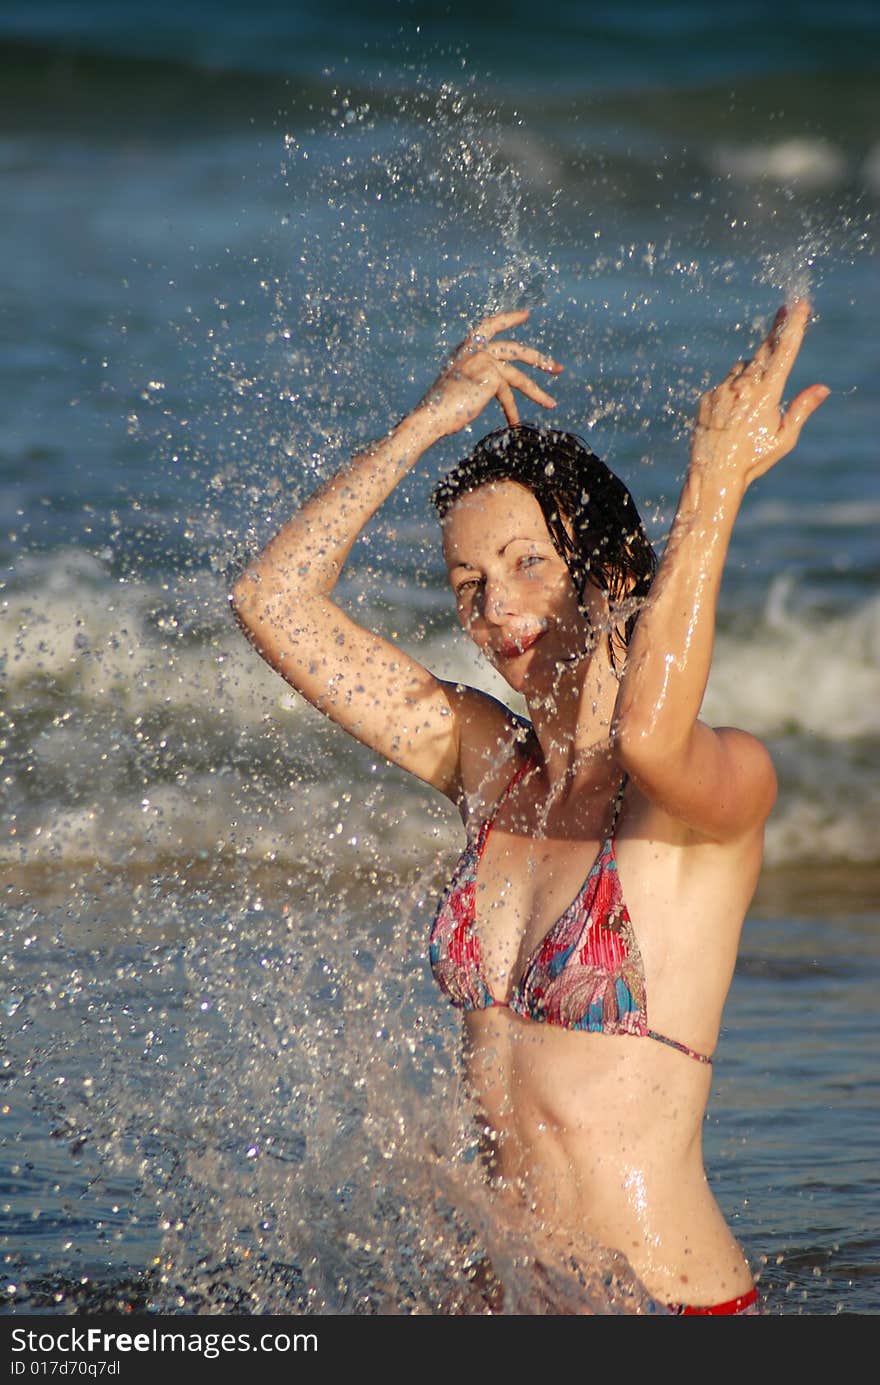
point(469, 584)
point(531, 560)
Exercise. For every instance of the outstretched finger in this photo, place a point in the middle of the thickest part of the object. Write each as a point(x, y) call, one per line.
point(515, 351)
point(768, 349)
point(785, 340)
point(527, 386)
point(489, 327)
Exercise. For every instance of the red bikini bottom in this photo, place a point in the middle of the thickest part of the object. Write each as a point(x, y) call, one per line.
point(746, 1303)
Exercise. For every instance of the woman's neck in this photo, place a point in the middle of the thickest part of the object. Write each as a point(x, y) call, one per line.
point(572, 722)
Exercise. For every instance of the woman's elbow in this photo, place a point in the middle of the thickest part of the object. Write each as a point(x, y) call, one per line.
point(255, 603)
point(243, 597)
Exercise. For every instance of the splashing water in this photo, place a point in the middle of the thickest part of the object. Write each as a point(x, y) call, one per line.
point(217, 913)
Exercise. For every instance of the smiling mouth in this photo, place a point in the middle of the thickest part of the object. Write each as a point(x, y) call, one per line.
point(512, 649)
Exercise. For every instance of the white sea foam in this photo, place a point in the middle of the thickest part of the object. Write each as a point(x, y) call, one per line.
point(809, 162)
point(135, 647)
point(816, 675)
point(213, 819)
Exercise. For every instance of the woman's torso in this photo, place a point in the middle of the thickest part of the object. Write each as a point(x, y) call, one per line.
point(600, 1132)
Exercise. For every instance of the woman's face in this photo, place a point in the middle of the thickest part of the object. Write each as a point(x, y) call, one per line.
point(514, 592)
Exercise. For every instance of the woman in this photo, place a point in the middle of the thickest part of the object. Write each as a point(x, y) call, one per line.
point(590, 930)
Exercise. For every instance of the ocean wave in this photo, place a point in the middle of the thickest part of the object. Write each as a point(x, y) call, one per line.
point(357, 827)
point(142, 725)
point(131, 648)
point(796, 672)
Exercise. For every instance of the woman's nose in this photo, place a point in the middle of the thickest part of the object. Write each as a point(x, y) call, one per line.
point(497, 603)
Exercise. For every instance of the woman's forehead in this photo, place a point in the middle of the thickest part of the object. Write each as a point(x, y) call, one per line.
point(493, 502)
point(489, 518)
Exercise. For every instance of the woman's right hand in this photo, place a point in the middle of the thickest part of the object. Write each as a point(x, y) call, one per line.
point(742, 429)
point(451, 737)
point(482, 369)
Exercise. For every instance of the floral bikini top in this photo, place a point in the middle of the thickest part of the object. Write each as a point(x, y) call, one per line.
point(586, 972)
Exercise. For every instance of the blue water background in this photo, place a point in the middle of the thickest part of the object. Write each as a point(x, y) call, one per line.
point(236, 241)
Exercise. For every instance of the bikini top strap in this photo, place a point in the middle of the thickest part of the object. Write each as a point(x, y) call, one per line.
point(487, 823)
point(511, 784)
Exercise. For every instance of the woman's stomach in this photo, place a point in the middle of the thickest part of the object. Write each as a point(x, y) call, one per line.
point(598, 1137)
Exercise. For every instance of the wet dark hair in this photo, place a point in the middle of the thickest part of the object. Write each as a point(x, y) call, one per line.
point(590, 515)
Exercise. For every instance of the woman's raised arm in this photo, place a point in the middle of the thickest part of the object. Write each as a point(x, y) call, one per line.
point(721, 783)
point(375, 691)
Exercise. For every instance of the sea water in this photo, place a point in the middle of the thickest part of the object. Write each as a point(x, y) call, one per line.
point(238, 242)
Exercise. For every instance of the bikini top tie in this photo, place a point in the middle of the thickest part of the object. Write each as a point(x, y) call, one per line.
point(585, 973)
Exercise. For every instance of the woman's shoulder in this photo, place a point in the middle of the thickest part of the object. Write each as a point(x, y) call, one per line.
point(496, 745)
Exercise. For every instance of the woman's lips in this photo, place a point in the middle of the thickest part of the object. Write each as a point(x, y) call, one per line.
point(511, 649)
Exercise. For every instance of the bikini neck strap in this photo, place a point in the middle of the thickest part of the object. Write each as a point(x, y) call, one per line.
point(518, 774)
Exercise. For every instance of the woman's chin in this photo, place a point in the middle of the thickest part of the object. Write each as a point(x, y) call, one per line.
point(514, 678)
point(539, 675)
point(531, 680)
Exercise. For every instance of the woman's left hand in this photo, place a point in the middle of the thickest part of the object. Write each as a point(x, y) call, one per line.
point(741, 429)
